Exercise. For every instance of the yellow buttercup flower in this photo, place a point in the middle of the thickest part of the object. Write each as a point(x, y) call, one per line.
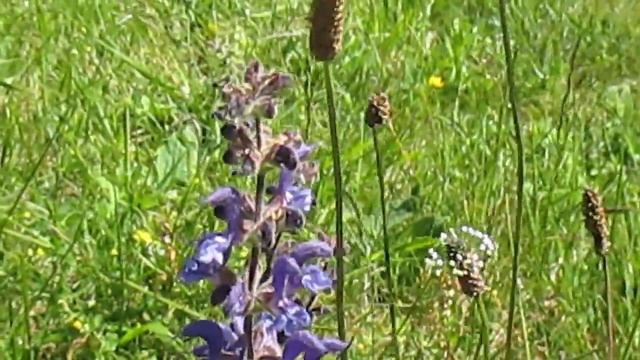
point(436, 82)
point(113, 252)
point(77, 324)
point(143, 236)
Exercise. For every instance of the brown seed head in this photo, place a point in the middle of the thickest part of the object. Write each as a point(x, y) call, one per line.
point(468, 270)
point(378, 111)
point(327, 26)
point(472, 284)
point(595, 220)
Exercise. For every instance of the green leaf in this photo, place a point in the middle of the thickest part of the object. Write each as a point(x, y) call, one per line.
point(155, 328)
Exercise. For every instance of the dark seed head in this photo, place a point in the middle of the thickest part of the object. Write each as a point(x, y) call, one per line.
point(294, 219)
point(229, 131)
point(219, 114)
point(287, 157)
point(229, 157)
point(472, 284)
point(220, 212)
point(327, 26)
point(219, 294)
point(270, 110)
point(595, 220)
point(378, 111)
point(270, 190)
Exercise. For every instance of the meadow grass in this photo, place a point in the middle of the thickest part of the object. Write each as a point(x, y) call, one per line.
point(107, 146)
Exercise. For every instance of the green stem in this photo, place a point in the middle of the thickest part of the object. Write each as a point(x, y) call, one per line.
point(387, 251)
point(525, 337)
point(506, 41)
point(255, 250)
point(627, 347)
point(610, 321)
point(308, 95)
point(26, 305)
point(485, 329)
point(337, 177)
point(12, 339)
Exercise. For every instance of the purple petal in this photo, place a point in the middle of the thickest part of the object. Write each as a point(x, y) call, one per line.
point(304, 150)
point(211, 332)
point(304, 342)
point(311, 249)
point(230, 337)
point(201, 351)
point(265, 340)
point(287, 179)
point(334, 345)
point(315, 279)
point(236, 301)
point(299, 198)
point(212, 249)
point(297, 317)
point(222, 195)
point(194, 270)
point(284, 267)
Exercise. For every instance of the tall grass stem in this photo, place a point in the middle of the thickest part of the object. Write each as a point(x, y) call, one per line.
point(484, 328)
point(511, 88)
point(385, 239)
point(337, 177)
point(611, 349)
point(631, 337)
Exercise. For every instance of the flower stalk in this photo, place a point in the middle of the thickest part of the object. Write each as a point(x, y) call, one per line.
point(337, 178)
point(515, 261)
point(255, 248)
point(378, 113)
point(325, 43)
point(595, 221)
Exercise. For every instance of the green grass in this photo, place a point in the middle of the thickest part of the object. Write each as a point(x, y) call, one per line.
point(105, 129)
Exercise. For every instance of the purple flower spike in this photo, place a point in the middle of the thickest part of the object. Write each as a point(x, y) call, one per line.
point(315, 279)
point(311, 249)
point(211, 332)
point(313, 348)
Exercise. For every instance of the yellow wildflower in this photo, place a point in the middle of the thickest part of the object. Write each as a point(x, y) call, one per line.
point(40, 252)
point(436, 82)
point(113, 252)
point(143, 236)
point(212, 29)
point(77, 324)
